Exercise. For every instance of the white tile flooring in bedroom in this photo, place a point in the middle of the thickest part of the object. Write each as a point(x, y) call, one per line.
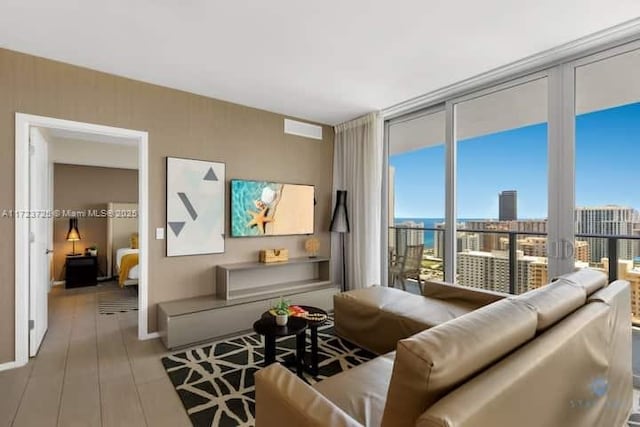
point(90, 371)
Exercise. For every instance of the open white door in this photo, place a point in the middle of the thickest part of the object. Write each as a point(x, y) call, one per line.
point(39, 252)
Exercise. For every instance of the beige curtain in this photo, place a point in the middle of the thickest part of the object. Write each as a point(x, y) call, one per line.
point(357, 168)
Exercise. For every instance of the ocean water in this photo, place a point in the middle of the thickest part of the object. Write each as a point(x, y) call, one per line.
point(243, 197)
point(429, 223)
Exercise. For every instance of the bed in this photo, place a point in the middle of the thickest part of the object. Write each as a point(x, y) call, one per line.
point(122, 243)
point(127, 266)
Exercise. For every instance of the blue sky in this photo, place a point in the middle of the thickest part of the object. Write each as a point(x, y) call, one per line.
point(607, 165)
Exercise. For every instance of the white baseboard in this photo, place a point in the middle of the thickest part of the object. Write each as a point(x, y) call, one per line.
point(10, 365)
point(58, 283)
point(151, 336)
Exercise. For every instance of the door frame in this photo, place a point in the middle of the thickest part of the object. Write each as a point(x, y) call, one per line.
point(22, 124)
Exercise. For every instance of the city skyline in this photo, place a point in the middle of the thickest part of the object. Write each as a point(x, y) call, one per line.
point(599, 172)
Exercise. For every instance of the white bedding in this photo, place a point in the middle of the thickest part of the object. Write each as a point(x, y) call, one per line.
point(133, 272)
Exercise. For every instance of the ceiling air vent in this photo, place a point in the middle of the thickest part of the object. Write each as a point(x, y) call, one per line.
point(306, 130)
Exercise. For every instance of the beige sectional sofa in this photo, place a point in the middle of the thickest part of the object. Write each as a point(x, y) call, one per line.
point(556, 356)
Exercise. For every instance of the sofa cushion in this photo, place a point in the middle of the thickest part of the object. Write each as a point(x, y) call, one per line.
point(465, 294)
point(609, 294)
point(361, 391)
point(555, 301)
point(376, 318)
point(283, 398)
point(589, 279)
point(430, 364)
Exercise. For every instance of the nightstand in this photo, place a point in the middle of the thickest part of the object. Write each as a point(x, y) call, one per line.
point(81, 271)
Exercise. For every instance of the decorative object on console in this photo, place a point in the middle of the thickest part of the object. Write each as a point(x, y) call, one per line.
point(73, 235)
point(195, 207)
point(274, 255)
point(261, 208)
point(91, 250)
point(282, 312)
point(340, 224)
point(312, 246)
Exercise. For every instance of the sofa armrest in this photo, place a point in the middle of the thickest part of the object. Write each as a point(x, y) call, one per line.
point(283, 398)
point(449, 291)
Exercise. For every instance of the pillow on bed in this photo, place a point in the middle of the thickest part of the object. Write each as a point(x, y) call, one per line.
point(134, 240)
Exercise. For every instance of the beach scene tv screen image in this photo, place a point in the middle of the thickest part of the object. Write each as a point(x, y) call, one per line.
point(261, 208)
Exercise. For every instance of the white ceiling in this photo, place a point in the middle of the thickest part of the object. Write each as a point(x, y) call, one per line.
point(606, 83)
point(325, 61)
point(88, 149)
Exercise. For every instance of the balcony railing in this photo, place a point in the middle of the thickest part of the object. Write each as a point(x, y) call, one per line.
point(610, 251)
point(612, 246)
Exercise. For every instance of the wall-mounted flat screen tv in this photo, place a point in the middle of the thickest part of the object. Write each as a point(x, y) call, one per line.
point(262, 208)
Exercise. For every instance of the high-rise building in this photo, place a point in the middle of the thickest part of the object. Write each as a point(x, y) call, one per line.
point(533, 246)
point(608, 220)
point(491, 241)
point(537, 246)
point(405, 236)
point(581, 251)
point(539, 274)
point(490, 270)
point(626, 271)
point(508, 205)
point(465, 241)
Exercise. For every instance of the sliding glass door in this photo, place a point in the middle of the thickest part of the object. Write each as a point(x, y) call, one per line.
point(501, 187)
point(416, 198)
point(607, 162)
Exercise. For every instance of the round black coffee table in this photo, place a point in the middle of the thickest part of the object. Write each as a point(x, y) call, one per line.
point(295, 326)
point(314, 323)
point(316, 318)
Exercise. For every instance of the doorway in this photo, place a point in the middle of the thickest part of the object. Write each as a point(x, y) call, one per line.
point(34, 218)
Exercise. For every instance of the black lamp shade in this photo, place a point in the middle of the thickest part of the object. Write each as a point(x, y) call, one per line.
point(73, 235)
point(340, 218)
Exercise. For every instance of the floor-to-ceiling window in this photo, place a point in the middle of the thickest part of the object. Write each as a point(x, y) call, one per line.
point(501, 187)
point(607, 165)
point(540, 173)
point(417, 196)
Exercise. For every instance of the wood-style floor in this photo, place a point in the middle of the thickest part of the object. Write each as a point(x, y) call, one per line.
point(90, 371)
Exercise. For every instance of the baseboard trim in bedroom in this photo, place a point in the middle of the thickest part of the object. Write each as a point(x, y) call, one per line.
point(151, 335)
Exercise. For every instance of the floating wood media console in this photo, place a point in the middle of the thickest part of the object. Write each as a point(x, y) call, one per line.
point(243, 292)
point(254, 279)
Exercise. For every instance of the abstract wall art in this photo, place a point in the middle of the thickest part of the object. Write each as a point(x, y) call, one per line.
point(195, 207)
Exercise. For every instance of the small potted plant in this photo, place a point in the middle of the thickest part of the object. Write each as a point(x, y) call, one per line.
point(281, 310)
point(93, 250)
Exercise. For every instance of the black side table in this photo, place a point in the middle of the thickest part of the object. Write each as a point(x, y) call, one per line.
point(81, 271)
point(313, 325)
point(295, 326)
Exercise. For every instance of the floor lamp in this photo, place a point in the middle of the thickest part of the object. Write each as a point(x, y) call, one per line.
point(340, 224)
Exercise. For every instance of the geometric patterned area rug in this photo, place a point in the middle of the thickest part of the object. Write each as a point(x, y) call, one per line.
point(215, 382)
point(118, 301)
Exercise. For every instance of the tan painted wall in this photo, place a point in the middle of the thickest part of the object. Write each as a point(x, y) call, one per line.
point(82, 188)
point(251, 142)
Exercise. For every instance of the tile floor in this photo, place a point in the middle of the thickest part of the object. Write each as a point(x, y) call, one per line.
point(91, 371)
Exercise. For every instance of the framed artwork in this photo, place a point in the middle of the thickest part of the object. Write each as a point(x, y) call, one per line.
point(195, 207)
point(262, 208)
